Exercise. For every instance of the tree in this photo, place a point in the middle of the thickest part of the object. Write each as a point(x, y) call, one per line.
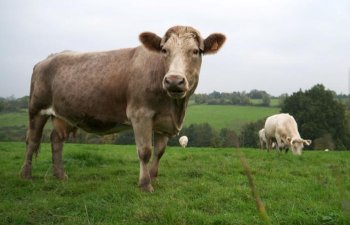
point(256, 94)
point(249, 135)
point(282, 99)
point(266, 100)
point(199, 135)
point(228, 138)
point(318, 114)
point(2, 104)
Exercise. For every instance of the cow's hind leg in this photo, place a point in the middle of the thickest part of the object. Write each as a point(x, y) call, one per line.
point(57, 148)
point(33, 139)
point(59, 134)
point(268, 144)
point(160, 143)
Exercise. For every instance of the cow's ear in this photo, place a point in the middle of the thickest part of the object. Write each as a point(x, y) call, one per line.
point(307, 142)
point(151, 41)
point(289, 140)
point(213, 43)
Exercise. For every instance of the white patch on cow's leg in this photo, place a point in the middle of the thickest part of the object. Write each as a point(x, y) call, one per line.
point(160, 143)
point(49, 112)
point(143, 137)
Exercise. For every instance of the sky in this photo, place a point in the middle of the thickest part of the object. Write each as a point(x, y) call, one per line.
point(279, 46)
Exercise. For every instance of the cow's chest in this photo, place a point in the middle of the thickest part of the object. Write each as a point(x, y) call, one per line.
point(168, 124)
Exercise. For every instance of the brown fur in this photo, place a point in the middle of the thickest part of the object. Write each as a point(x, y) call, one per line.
point(63, 128)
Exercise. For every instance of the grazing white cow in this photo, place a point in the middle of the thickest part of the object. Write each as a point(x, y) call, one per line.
point(284, 129)
point(262, 138)
point(183, 140)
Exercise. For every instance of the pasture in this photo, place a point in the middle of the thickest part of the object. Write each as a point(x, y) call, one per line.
point(195, 186)
point(14, 119)
point(218, 116)
point(13, 125)
point(226, 116)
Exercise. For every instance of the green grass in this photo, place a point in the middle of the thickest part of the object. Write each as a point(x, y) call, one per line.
point(275, 102)
point(13, 119)
point(195, 186)
point(220, 116)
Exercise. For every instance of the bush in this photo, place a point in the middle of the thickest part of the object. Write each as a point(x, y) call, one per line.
point(249, 135)
point(319, 114)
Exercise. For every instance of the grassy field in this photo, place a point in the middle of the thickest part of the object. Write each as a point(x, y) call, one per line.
point(275, 102)
point(220, 116)
point(195, 186)
point(13, 119)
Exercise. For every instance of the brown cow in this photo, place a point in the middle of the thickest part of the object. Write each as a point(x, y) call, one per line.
point(146, 88)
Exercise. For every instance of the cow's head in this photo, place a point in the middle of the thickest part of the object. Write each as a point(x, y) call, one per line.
point(182, 49)
point(297, 145)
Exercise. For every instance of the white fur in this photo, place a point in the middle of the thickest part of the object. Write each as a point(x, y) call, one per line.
point(284, 129)
point(48, 111)
point(183, 141)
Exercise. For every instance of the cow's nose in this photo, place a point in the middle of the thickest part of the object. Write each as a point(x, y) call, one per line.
point(175, 83)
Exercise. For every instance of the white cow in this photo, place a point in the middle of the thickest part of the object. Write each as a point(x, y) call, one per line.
point(262, 138)
point(183, 140)
point(283, 128)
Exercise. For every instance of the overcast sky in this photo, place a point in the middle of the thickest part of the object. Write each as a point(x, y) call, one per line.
point(279, 46)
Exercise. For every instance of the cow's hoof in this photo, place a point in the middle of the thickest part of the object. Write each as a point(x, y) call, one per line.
point(153, 175)
point(26, 176)
point(147, 188)
point(26, 172)
point(61, 175)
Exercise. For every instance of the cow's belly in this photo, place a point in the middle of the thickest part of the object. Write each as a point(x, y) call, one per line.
point(99, 124)
point(102, 127)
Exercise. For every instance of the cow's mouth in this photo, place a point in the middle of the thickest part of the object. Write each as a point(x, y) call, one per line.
point(177, 93)
point(175, 85)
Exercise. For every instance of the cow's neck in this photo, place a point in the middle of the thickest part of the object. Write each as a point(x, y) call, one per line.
point(180, 106)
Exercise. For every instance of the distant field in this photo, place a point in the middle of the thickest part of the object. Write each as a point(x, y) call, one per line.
point(220, 116)
point(275, 102)
point(196, 186)
point(13, 119)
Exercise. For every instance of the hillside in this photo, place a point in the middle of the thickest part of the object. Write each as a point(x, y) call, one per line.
point(13, 125)
point(226, 116)
point(195, 186)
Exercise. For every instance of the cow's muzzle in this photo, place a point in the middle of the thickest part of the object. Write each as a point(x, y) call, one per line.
point(175, 85)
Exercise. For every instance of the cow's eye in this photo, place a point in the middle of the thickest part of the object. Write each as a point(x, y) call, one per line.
point(164, 51)
point(195, 51)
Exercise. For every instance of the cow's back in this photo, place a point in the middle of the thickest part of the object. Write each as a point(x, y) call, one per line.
point(90, 90)
point(282, 124)
point(270, 126)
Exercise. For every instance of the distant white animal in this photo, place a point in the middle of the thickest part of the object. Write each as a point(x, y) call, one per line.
point(326, 150)
point(262, 139)
point(284, 129)
point(183, 140)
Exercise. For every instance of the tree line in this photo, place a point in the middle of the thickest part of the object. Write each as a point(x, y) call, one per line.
point(12, 104)
point(321, 115)
point(233, 98)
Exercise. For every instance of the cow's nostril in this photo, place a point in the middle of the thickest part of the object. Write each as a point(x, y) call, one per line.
point(181, 81)
point(167, 81)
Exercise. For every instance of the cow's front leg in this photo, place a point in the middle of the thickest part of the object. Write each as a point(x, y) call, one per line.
point(143, 137)
point(160, 143)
